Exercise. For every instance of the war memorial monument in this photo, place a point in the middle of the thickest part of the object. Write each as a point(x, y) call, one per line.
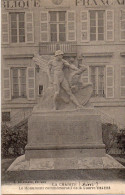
point(64, 130)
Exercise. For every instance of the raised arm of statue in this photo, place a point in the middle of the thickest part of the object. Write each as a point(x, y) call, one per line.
point(83, 67)
point(71, 66)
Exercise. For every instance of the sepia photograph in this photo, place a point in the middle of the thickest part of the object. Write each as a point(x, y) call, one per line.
point(62, 97)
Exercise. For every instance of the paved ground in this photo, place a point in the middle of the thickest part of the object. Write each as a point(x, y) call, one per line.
point(28, 176)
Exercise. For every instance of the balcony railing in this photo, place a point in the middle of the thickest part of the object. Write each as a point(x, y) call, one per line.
point(50, 47)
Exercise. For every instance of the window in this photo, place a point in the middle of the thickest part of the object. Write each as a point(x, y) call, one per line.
point(5, 116)
point(97, 75)
point(17, 27)
point(40, 89)
point(57, 26)
point(18, 82)
point(122, 25)
point(96, 25)
point(17, 22)
point(122, 83)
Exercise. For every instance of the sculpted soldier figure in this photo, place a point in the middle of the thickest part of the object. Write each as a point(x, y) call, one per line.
point(56, 66)
point(66, 89)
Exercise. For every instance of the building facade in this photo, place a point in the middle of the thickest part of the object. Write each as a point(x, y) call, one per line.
point(90, 31)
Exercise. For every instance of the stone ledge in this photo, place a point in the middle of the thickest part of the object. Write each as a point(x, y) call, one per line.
point(86, 111)
point(106, 162)
point(71, 146)
point(98, 54)
point(13, 56)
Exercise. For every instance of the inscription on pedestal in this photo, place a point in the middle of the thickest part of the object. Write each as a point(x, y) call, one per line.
point(64, 130)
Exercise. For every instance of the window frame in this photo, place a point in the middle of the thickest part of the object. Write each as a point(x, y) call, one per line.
point(122, 66)
point(57, 24)
point(97, 80)
point(120, 20)
point(104, 18)
point(40, 90)
point(19, 82)
point(17, 19)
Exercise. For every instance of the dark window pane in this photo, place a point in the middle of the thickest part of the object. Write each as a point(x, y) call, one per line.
point(13, 17)
point(92, 22)
point(53, 16)
point(100, 30)
point(15, 90)
point(92, 15)
point(61, 16)
point(15, 72)
point(53, 36)
point(100, 14)
point(101, 70)
point(62, 37)
point(53, 27)
point(14, 39)
point(100, 22)
point(93, 30)
point(93, 71)
point(13, 24)
point(23, 80)
point(100, 37)
point(21, 39)
point(22, 72)
point(15, 80)
point(13, 32)
point(21, 17)
point(15, 87)
point(92, 37)
point(61, 27)
point(23, 90)
point(21, 24)
point(40, 89)
point(21, 32)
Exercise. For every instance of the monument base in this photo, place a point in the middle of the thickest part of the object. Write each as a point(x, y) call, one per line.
point(61, 140)
point(64, 134)
point(107, 162)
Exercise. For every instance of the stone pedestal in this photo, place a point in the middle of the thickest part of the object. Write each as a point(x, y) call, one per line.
point(64, 134)
point(60, 140)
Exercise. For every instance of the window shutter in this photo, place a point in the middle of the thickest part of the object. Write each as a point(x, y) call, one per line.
point(110, 82)
point(6, 84)
point(71, 26)
point(122, 25)
point(109, 25)
point(122, 79)
point(84, 26)
point(29, 27)
point(31, 83)
point(85, 76)
point(44, 26)
point(5, 28)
